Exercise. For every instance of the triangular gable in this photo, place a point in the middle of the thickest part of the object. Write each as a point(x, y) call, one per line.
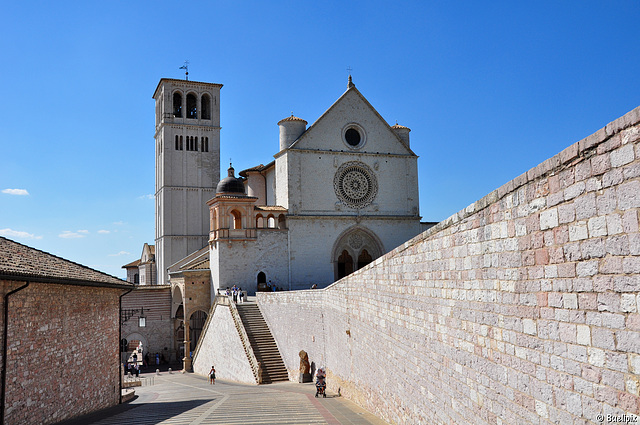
point(352, 94)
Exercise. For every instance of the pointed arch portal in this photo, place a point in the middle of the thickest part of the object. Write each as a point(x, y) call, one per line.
point(355, 248)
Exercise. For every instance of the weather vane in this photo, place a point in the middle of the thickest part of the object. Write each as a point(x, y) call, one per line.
point(349, 69)
point(186, 70)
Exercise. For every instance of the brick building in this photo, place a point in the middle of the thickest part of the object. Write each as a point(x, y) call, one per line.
point(60, 326)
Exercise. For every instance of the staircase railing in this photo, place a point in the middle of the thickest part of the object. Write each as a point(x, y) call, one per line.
point(253, 361)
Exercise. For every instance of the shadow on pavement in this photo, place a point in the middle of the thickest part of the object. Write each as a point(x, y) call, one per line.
point(158, 411)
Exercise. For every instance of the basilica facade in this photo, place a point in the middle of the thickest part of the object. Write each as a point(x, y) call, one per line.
point(336, 195)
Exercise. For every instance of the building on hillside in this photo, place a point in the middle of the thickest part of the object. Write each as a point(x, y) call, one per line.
point(143, 271)
point(49, 345)
point(336, 196)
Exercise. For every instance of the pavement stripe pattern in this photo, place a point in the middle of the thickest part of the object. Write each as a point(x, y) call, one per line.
point(178, 399)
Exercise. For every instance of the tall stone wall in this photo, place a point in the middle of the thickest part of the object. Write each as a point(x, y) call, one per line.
point(523, 308)
point(62, 352)
point(221, 347)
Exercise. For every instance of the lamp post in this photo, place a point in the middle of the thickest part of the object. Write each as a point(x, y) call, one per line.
point(142, 320)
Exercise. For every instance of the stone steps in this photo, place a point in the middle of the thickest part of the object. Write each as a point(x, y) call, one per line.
point(262, 343)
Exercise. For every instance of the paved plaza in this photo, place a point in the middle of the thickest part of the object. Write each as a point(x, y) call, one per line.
point(189, 399)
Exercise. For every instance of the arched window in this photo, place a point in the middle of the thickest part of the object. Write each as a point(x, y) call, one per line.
point(196, 145)
point(177, 145)
point(180, 142)
point(236, 219)
point(191, 143)
point(205, 107)
point(345, 264)
point(363, 259)
point(177, 105)
point(205, 144)
point(282, 222)
point(271, 222)
point(259, 221)
point(192, 110)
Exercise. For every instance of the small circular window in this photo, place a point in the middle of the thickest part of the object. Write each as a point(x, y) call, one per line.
point(353, 136)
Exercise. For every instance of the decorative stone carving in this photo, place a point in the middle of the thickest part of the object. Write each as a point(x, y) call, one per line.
point(356, 240)
point(355, 184)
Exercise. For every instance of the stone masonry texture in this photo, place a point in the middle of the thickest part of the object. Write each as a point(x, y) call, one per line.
point(62, 352)
point(523, 308)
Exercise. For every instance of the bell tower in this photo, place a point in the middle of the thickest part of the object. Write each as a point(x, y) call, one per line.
point(187, 137)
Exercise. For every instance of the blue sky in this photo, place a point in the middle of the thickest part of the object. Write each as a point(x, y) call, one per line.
point(489, 89)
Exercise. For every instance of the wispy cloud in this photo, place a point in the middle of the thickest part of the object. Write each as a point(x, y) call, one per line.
point(119, 254)
point(10, 233)
point(22, 192)
point(67, 234)
point(149, 196)
point(119, 223)
point(104, 232)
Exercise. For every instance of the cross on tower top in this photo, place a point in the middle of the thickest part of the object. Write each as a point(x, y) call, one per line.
point(186, 70)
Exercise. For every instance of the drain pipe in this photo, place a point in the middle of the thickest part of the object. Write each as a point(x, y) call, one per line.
point(4, 349)
point(120, 369)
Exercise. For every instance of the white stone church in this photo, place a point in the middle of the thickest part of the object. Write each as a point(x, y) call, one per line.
point(337, 194)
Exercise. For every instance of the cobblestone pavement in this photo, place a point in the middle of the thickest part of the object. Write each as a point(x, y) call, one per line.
point(190, 399)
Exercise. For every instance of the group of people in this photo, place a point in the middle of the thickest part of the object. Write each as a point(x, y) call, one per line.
point(236, 293)
point(272, 287)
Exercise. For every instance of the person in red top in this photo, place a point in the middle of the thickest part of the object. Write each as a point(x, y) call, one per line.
point(212, 376)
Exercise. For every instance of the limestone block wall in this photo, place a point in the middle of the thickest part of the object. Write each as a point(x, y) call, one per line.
point(62, 352)
point(523, 308)
point(239, 262)
point(220, 346)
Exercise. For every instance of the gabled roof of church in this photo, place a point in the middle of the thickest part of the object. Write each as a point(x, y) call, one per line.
point(258, 168)
point(198, 260)
point(353, 88)
point(135, 263)
point(21, 262)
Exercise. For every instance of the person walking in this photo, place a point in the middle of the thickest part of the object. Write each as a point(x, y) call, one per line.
point(241, 295)
point(212, 376)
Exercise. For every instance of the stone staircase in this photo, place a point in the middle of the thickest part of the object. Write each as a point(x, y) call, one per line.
point(262, 342)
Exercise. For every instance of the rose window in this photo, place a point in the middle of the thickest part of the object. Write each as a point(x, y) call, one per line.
point(355, 184)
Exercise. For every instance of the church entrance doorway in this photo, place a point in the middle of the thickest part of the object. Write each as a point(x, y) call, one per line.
point(195, 327)
point(345, 264)
point(355, 248)
point(262, 282)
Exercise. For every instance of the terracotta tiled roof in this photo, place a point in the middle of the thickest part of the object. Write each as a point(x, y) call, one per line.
point(291, 118)
point(270, 208)
point(132, 264)
point(399, 126)
point(19, 262)
point(259, 168)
